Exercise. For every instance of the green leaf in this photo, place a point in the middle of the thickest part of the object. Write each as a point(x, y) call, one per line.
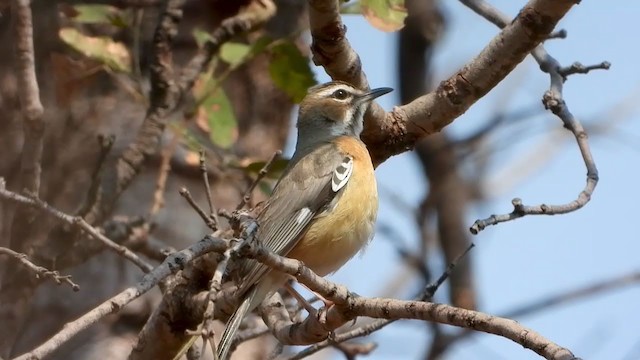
point(95, 14)
point(275, 170)
point(290, 70)
point(200, 36)
point(220, 117)
point(265, 187)
point(260, 45)
point(385, 15)
point(234, 53)
point(111, 53)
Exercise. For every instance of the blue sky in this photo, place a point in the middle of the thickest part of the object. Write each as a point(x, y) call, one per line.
point(534, 257)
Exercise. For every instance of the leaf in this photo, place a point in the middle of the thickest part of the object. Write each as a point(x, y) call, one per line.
point(234, 53)
point(95, 14)
point(275, 170)
point(113, 54)
point(215, 115)
point(260, 45)
point(385, 15)
point(200, 36)
point(290, 70)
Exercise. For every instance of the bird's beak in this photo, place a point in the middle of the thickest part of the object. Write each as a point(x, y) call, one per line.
point(372, 94)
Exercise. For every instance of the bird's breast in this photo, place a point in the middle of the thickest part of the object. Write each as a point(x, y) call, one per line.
point(336, 237)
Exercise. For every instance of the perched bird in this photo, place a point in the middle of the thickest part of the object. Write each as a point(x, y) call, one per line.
point(323, 209)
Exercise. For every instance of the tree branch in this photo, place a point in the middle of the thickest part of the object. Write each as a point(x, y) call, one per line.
point(29, 94)
point(77, 221)
point(553, 101)
point(163, 96)
point(397, 131)
point(349, 306)
point(39, 270)
point(174, 263)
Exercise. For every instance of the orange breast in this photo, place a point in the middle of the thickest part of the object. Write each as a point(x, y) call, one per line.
point(335, 238)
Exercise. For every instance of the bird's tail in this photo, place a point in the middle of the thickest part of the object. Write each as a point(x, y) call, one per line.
point(234, 323)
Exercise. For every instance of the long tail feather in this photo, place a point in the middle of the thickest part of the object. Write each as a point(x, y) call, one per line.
point(234, 323)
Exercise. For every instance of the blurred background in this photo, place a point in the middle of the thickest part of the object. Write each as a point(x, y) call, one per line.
point(243, 109)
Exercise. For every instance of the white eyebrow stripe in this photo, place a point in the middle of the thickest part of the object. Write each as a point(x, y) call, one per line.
point(330, 90)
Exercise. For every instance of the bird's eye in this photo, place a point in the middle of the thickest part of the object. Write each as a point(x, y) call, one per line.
point(340, 94)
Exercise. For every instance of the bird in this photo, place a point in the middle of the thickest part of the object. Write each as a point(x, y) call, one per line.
point(323, 209)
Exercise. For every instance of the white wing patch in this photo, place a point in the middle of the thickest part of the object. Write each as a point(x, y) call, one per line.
point(342, 174)
point(303, 214)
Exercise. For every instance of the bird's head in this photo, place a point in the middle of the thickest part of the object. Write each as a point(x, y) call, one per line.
point(331, 110)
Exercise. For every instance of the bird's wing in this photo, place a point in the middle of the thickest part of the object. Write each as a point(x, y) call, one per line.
point(310, 187)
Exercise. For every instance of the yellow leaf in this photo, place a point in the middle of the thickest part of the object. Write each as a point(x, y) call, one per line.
point(111, 53)
point(385, 15)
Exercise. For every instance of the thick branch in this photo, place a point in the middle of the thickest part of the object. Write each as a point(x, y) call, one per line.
point(398, 130)
point(348, 306)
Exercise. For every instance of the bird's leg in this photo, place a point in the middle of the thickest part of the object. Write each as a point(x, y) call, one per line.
point(327, 303)
point(301, 300)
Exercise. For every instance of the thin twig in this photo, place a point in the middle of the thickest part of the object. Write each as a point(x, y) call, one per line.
point(39, 270)
point(93, 195)
point(207, 220)
point(77, 221)
point(206, 328)
point(553, 101)
point(163, 175)
point(213, 213)
point(578, 68)
point(263, 172)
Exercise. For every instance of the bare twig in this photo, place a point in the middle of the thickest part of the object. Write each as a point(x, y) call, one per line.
point(601, 287)
point(163, 175)
point(171, 265)
point(39, 270)
point(76, 221)
point(206, 329)
point(93, 195)
point(578, 68)
point(207, 219)
point(263, 172)
point(213, 213)
point(553, 101)
point(559, 34)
